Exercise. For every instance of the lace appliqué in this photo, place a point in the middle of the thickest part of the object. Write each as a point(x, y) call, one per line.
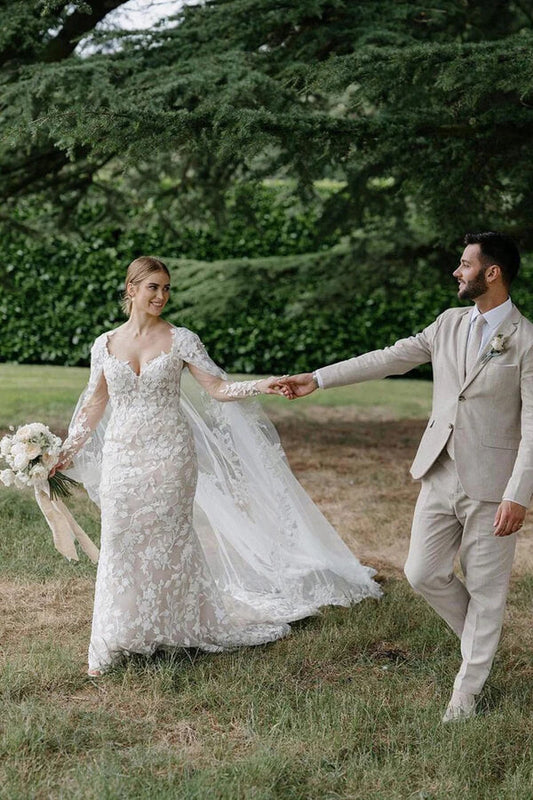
point(79, 434)
point(88, 413)
point(241, 389)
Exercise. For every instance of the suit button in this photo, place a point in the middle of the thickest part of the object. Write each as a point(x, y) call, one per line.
point(462, 397)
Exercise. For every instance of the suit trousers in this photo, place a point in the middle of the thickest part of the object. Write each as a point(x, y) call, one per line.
point(447, 522)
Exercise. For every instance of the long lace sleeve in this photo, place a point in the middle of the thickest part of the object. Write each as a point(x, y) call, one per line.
point(92, 407)
point(209, 375)
point(223, 390)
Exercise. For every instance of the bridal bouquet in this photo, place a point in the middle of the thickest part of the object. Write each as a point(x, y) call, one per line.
point(31, 452)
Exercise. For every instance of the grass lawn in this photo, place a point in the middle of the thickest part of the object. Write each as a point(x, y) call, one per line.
point(347, 707)
point(48, 394)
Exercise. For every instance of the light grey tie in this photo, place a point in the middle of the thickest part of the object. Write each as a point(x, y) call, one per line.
point(474, 342)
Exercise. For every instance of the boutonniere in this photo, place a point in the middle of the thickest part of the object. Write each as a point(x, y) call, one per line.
point(497, 347)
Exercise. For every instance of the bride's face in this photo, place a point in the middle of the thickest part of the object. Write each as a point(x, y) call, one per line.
point(151, 295)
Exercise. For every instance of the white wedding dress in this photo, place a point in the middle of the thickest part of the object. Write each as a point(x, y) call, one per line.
point(208, 541)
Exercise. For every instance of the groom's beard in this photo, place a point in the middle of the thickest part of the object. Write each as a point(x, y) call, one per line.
point(474, 288)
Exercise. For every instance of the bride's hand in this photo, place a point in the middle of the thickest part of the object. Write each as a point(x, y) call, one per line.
point(59, 467)
point(273, 385)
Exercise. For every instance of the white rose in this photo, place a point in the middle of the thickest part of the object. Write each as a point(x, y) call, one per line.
point(23, 431)
point(18, 448)
point(32, 451)
point(5, 445)
point(20, 461)
point(7, 476)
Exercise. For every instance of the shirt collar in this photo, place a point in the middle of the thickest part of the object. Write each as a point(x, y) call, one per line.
point(495, 316)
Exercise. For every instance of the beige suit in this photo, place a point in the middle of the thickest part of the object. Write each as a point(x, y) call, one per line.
point(485, 418)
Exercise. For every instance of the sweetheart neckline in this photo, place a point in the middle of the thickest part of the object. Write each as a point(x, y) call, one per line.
point(146, 363)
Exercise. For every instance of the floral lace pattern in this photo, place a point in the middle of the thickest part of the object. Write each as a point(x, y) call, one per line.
point(241, 389)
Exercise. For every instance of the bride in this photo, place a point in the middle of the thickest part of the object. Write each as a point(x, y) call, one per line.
point(208, 540)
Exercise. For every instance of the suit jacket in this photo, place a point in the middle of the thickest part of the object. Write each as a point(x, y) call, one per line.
point(489, 412)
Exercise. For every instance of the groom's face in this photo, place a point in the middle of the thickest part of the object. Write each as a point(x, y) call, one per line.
point(471, 274)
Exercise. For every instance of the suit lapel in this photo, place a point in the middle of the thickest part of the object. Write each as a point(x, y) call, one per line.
point(506, 329)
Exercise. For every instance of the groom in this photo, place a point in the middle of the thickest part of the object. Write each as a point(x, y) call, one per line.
point(475, 458)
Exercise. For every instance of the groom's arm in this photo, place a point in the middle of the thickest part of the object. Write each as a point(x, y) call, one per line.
point(519, 489)
point(401, 357)
point(517, 495)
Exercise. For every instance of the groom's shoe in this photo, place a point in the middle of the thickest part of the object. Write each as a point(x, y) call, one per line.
point(461, 706)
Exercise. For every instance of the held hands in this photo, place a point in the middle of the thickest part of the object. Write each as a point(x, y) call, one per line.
point(509, 518)
point(271, 385)
point(294, 386)
point(289, 386)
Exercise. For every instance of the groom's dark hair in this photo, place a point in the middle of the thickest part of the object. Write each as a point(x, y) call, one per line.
point(500, 249)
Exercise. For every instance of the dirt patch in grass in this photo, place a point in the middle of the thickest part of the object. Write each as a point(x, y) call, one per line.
point(355, 465)
point(58, 609)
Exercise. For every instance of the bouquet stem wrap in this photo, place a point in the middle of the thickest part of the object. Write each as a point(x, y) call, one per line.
point(65, 529)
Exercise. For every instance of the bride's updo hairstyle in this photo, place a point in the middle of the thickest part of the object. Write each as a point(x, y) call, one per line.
point(137, 272)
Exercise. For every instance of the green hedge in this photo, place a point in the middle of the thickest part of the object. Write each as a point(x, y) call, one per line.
point(269, 315)
point(56, 294)
point(289, 311)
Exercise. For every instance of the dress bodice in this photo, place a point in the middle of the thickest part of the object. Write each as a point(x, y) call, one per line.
point(155, 389)
point(145, 408)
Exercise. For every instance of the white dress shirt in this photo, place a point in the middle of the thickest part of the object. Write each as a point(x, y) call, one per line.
point(493, 318)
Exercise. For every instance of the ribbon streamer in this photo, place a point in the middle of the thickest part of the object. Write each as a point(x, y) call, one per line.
point(65, 529)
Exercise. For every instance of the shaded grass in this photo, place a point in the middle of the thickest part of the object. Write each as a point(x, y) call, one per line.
point(347, 707)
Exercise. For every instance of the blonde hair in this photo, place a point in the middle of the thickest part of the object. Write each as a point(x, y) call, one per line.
point(138, 270)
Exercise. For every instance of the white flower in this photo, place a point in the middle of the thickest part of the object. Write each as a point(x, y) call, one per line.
point(32, 451)
point(24, 430)
point(7, 476)
point(20, 461)
point(21, 480)
point(33, 429)
point(497, 344)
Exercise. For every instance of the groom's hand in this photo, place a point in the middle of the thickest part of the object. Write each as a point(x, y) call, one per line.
point(509, 518)
point(299, 385)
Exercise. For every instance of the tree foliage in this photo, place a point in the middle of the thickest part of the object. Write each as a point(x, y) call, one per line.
point(420, 115)
point(417, 109)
